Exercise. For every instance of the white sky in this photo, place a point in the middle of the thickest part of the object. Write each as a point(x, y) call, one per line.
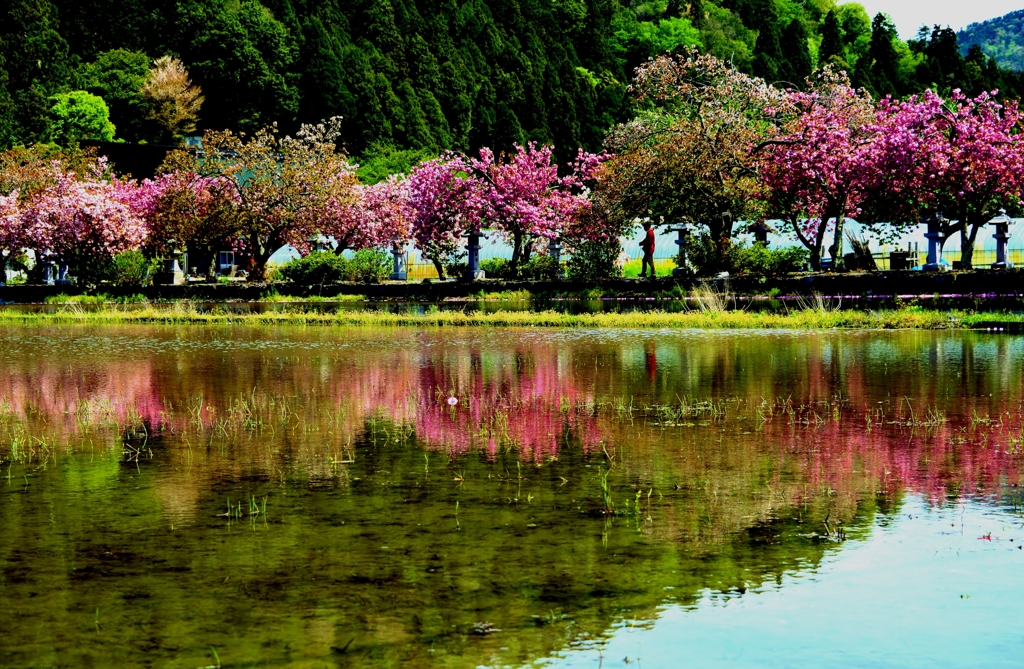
point(910, 14)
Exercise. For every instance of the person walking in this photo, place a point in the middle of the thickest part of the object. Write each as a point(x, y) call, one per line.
point(647, 246)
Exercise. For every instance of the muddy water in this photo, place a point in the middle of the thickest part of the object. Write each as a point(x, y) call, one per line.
point(318, 497)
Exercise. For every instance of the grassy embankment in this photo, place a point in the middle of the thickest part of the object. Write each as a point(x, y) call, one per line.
point(807, 318)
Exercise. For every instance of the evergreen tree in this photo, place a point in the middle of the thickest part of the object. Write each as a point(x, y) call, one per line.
point(861, 76)
point(945, 64)
point(796, 53)
point(882, 55)
point(118, 76)
point(322, 86)
point(768, 61)
point(6, 107)
point(245, 56)
point(831, 49)
point(410, 75)
point(696, 13)
point(38, 65)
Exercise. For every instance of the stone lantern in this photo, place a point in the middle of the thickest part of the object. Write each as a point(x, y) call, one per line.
point(172, 275)
point(682, 241)
point(400, 272)
point(935, 237)
point(1002, 236)
point(320, 243)
point(49, 271)
point(760, 231)
point(555, 252)
point(473, 271)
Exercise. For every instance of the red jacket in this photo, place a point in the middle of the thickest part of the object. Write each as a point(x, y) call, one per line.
point(648, 243)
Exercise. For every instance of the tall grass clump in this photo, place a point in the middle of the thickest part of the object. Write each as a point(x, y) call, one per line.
point(712, 317)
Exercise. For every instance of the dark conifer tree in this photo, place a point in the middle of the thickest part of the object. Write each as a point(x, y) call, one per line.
point(861, 76)
point(796, 53)
point(37, 64)
point(884, 60)
point(831, 49)
point(945, 63)
point(322, 86)
point(696, 13)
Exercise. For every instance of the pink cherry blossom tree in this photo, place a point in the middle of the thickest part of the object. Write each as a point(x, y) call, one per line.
point(526, 200)
point(446, 201)
point(379, 215)
point(962, 157)
point(185, 209)
point(84, 222)
point(816, 170)
point(286, 186)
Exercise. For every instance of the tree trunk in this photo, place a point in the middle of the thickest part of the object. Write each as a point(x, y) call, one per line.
point(836, 250)
point(527, 250)
point(720, 230)
point(439, 267)
point(819, 243)
point(261, 255)
point(808, 244)
point(211, 267)
point(517, 252)
point(968, 235)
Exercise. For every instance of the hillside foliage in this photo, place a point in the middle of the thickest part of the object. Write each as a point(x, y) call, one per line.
point(1001, 38)
point(414, 78)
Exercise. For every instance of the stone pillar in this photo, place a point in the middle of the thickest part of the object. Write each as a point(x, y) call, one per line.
point(1002, 236)
point(172, 275)
point(401, 265)
point(555, 251)
point(760, 231)
point(473, 272)
point(935, 236)
point(48, 274)
point(62, 274)
point(682, 241)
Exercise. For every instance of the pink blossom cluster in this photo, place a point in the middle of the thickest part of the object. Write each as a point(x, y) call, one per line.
point(838, 155)
point(520, 194)
point(380, 216)
point(75, 216)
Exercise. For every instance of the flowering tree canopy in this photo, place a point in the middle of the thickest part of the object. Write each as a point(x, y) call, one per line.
point(379, 215)
point(525, 198)
point(818, 167)
point(962, 157)
point(285, 186)
point(688, 153)
point(83, 221)
point(186, 209)
point(446, 202)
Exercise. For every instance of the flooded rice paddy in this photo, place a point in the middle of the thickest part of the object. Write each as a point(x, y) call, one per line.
point(175, 496)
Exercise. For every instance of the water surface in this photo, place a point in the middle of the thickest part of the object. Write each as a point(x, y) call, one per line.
point(321, 497)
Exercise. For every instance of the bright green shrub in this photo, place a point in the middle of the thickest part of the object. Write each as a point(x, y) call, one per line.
point(758, 259)
point(496, 268)
point(316, 268)
point(541, 268)
point(130, 268)
point(79, 115)
point(370, 266)
point(320, 267)
point(594, 260)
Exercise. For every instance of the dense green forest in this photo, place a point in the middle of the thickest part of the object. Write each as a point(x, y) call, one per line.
point(413, 77)
point(1001, 38)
